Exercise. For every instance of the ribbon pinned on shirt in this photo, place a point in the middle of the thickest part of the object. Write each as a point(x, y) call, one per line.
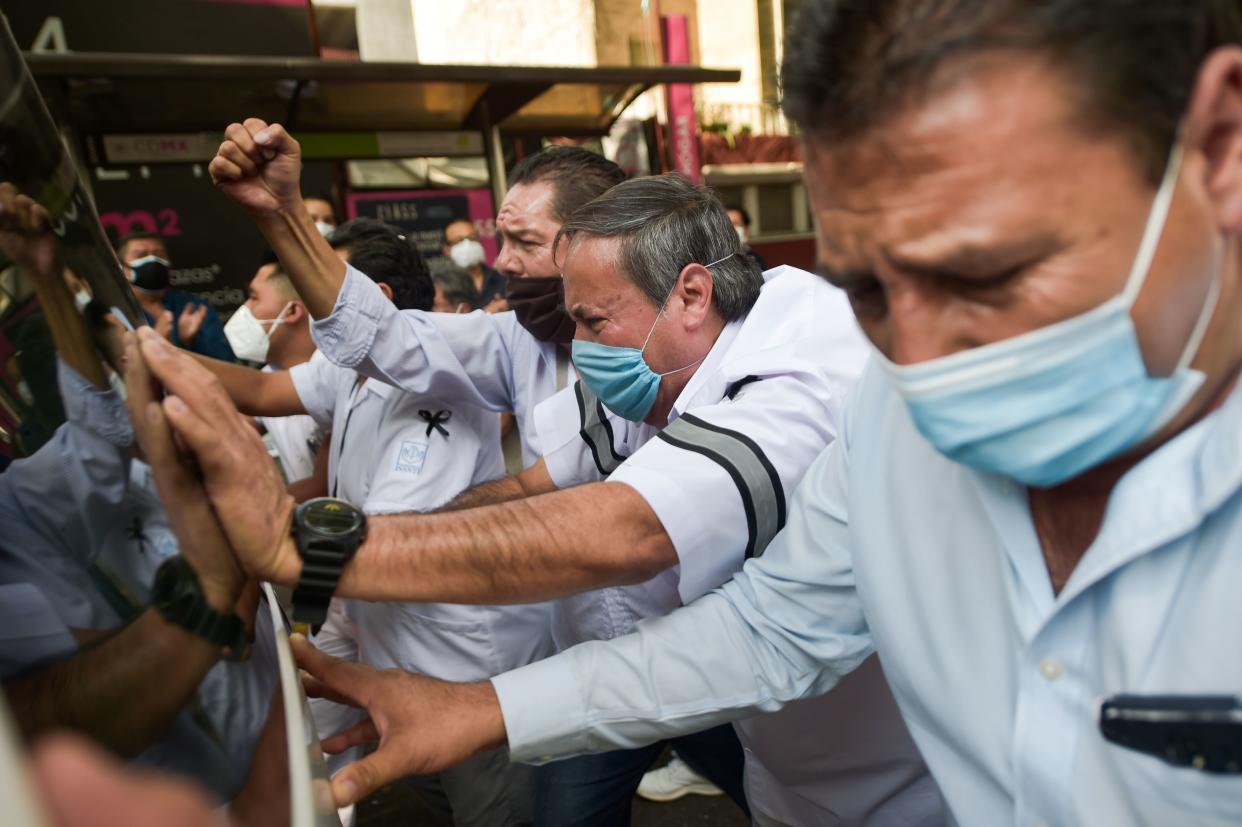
point(435, 421)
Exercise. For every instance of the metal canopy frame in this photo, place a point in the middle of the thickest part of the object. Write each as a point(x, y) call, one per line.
point(98, 93)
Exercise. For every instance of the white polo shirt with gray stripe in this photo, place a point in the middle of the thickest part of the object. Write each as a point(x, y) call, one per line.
point(762, 406)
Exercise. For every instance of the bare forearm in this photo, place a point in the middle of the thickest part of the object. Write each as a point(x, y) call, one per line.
point(530, 549)
point(316, 270)
point(255, 392)
point(528, 483)
point(121, 691)
point(502, 490)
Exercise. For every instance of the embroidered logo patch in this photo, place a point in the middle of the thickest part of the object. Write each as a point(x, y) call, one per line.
point(411, 457)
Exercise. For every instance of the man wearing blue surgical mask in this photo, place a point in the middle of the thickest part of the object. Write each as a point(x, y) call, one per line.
point(706, 390)
point(1036, 499)
point(183, 318)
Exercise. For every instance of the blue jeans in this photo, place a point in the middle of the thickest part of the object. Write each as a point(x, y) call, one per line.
point(598, 790)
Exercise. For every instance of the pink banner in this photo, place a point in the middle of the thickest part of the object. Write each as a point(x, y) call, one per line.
point(683, 121)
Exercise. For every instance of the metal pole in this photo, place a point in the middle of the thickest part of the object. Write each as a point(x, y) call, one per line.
point(494, 154)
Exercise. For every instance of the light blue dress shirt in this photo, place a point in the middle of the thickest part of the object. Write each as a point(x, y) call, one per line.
point(893, 548)
point(81, 502)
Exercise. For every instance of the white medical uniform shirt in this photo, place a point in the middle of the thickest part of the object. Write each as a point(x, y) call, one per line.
point(894, 548)
point(79, 510)
point(763, 404)
point(295, 438)
point(387, 456)
point(483, 359)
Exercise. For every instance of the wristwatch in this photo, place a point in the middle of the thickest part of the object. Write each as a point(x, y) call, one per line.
point(328, 532)
point(178, 597)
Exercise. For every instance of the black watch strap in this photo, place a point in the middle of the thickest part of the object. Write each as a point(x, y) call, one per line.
point(322, 564)
point(179, 598)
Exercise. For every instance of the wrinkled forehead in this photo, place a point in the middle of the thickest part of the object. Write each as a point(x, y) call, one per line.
point(528, 207)
point(591, 269)
point(1000, 149)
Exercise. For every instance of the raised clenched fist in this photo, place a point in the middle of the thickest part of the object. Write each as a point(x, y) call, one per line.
point(259, 165)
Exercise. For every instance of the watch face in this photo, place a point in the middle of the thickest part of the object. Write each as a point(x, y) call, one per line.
point(331, 517)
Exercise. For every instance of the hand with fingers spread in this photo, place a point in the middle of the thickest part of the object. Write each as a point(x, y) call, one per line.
point(244, 487)
point(164, 325)
point(423, 725)
point(203, 543)
point(26, 236)
point(190, 322)
point(259, 165)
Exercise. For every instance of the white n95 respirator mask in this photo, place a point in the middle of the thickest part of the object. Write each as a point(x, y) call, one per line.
point(467, 253)
point(247, 335)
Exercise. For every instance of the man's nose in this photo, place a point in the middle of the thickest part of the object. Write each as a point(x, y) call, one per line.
point(507, 263)
point(920, 327)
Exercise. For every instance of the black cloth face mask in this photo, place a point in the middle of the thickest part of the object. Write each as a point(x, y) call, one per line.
point(149, 273)
point(539, 302)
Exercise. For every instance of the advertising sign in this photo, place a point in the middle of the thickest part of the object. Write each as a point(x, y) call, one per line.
point(425, 213)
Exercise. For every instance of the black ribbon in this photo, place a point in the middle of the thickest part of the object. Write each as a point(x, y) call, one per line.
point(436, 421)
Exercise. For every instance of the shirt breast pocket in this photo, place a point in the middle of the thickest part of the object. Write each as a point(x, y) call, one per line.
point(1167, 794)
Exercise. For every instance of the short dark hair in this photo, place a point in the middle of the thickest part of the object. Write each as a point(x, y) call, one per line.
point(740, 211)
point(577, 176)
point(360, 229)
point(665, 222)
point(321, 196)
point(387, 257)
point(444, 229)
point(851, 63)
point(137, 235)
point(457, 286)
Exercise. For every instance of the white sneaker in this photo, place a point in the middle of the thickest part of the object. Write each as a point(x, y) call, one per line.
point(671, 782)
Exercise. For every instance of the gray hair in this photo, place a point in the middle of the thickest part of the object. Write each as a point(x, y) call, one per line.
point(457, 285)
point(664, 222)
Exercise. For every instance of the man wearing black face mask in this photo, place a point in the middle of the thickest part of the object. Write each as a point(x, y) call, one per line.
point(506, 362)
point(184, 319)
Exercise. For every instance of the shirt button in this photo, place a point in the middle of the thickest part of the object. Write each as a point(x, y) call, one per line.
point(1039, 824)
point(1050, 669)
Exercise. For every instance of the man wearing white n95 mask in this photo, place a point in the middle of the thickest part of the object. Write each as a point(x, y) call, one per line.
point(1035, 501)
point(644, 499)
point(462, 245)
point(507, 362)
point(273, 328)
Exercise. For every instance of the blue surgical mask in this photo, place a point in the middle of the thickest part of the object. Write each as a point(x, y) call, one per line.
point(1045, 406)
point(620, 376)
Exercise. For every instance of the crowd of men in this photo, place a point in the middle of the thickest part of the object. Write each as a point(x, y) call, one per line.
point(867, 546)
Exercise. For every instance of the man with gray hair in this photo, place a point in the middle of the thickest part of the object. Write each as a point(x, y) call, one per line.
point(704, 396)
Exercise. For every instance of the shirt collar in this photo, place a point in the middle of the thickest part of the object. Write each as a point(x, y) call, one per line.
point(373, 387)
point(1166, 496)
point(708, 380)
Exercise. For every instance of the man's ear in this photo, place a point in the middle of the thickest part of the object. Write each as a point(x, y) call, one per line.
point(1214, 128)
point(385, 289)
point(295, 313)
point(694, 291)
